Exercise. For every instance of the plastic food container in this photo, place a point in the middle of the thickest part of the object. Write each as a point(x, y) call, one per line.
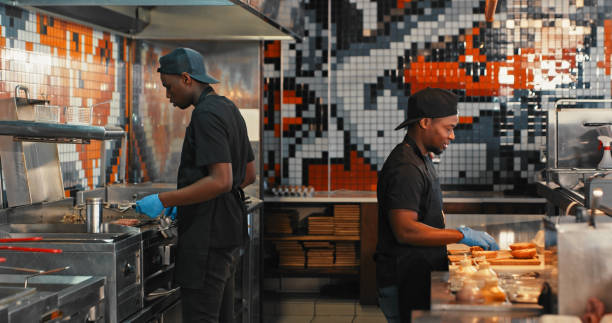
point(78, 115)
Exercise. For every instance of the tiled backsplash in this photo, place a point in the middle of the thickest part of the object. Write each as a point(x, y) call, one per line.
point(158, 126)
point(73, 65)
point(69, 65)
point(508, 74)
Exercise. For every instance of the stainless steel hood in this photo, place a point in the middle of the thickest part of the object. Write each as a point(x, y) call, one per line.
point(182, 19)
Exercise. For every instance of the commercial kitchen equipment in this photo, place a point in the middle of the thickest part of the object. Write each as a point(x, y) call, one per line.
point(573, 155)
point(29, 154)
point(52, 298)
point(114, 254)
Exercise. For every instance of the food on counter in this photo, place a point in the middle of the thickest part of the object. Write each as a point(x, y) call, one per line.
point(458, 274)
point(492, 293)
point(483, 274)
point(470, 293)
point(127, 222)
point(459, 252)
point(455, 258)
point(476, 248)
point(524, 253)
point(457, 249)
point(487, 254)
point(499, 257)
point(515, 262)
point(522, 245)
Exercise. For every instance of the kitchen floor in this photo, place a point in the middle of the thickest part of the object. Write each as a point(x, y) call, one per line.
point(314, 308)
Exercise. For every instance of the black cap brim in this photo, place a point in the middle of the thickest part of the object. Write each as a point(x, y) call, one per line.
point(204, 78)
point(407, 122)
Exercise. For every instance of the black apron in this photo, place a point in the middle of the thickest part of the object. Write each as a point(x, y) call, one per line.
point(413, 274)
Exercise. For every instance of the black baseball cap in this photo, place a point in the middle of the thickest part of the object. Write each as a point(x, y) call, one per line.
point(185, 60)
point(430, 103)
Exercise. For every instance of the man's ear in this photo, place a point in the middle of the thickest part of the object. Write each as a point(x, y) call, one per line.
point(186, 78)
point(425, 123)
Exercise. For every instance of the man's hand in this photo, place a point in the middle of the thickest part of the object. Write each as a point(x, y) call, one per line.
point(150, 205)
point(477, 238)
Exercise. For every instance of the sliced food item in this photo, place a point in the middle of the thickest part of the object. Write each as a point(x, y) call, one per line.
point(455, 258)
point(486, 254)
point(457, 249)
point(522, 245)
point(524, 253)
point(476, 248)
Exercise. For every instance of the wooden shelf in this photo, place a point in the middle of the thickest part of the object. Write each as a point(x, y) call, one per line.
point(311, 238)
point(312, 271)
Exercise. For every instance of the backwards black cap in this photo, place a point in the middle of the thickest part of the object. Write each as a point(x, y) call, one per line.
point(430, 103)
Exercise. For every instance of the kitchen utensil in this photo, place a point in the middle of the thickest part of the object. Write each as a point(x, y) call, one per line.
point(25, 284)
point(28, 249)
point(27, 270)
point(167, 227)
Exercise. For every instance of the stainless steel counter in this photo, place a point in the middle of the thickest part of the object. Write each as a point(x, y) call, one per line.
point(445, 309)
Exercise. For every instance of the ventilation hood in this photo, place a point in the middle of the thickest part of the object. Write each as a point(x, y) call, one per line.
point(182, 19)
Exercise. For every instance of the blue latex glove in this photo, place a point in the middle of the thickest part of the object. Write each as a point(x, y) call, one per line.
point(171, 212)
point(477, 238)
point(150, 205)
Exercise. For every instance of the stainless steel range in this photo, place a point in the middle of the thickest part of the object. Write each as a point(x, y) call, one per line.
point(115, 254)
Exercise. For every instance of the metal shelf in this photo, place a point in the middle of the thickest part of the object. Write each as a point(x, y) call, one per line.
point(23, 130)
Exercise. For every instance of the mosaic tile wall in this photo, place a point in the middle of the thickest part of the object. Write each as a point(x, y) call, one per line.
point(69, 65)
point(159, 127)
point(507, 74)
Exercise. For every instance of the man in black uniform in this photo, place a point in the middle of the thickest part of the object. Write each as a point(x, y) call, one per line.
point(411, 235)
point(216, 163)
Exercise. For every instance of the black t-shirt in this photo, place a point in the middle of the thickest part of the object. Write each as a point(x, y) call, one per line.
point(216, 134)
point(408, 181)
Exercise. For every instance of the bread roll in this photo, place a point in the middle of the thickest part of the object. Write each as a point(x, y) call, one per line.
point(522, 245)
point(524, 253)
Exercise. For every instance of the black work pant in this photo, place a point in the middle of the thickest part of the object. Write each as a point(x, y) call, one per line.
point(215, 301)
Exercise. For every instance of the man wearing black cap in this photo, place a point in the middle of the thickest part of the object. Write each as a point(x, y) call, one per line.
point(216, 162)
point(412, 237)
